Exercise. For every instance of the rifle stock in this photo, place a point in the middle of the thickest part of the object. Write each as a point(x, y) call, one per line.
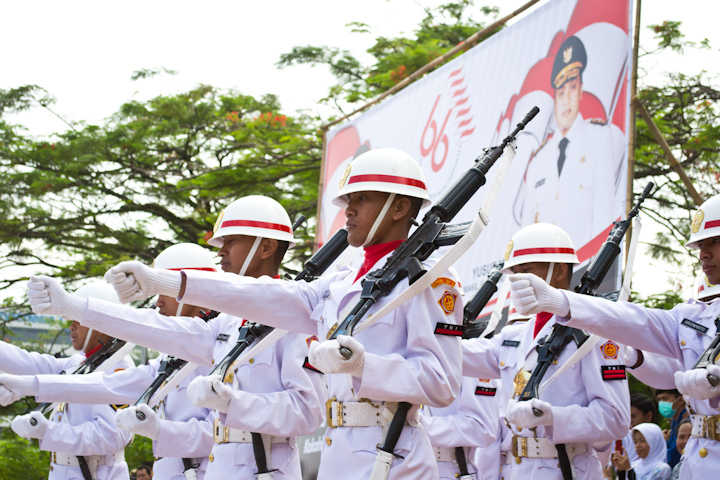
point(480, 299)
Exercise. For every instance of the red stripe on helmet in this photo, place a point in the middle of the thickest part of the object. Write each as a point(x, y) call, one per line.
point(256, 224)
point(535, 251)
point(714, 223)
point(387, 179)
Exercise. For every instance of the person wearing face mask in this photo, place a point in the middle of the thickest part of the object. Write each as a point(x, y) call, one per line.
point(650, 448)
point(671, 406)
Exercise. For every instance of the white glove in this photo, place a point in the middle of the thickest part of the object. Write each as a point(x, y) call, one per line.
point(210, 392)
point(694, 383)
point(531, 295)
point(522, 414)
point(22, 426)
point(136, 281)
point(149, 427)
point(14, 387)
point(326, 356)
point(48, 297)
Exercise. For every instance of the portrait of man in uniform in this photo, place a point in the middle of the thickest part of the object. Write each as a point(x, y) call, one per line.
point(572, 177)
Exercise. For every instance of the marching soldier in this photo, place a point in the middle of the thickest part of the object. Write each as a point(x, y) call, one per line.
point(682, 333)
point(576, 163)
point(410, 355)
point(274, 394)
point(83, 439)
point(181, 432)
point(587, 407)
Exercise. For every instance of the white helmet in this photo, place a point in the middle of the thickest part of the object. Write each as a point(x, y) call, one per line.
point(185, 256)
point(98, 289)
point(254, 216)
point(704, 290)
point(706, 222)
point(539, 242)
point(383, 170)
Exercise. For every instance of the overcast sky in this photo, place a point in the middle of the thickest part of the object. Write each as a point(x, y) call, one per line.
point(84, 52)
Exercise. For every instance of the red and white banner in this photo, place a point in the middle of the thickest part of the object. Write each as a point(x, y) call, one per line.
point(572, 59)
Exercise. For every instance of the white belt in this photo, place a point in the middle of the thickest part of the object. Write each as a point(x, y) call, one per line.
point(235, 435)
point(542, 447)
point(444, 454)
point(68, 460)
point(706, 426)
point(360, 414)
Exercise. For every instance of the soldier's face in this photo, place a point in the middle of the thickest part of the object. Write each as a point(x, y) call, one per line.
point(567, 104)
point(361, 212)
point(77, 335)
point(168, 306)
point(710, 258)
point(233, 252)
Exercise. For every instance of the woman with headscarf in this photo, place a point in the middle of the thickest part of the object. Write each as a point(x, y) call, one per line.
point(651, 450)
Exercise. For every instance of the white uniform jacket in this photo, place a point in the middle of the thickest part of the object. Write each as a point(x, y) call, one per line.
point(279, 395)
point(411, 355)
point(657, 371)
point(185, 430)
point(471, 421)
point(78, 428)
point(682, 333)
point(591, 402)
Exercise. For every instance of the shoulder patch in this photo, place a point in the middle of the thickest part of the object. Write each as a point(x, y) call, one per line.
point(447, 302)
point(613, 372)
point(443, 281)
point(485, 391)
point(449, 329)
point(694, 325)
point(119, 407)
point(609, 349)
point(484, 380)
point(306, 364)
point(309, 340)
point(598, 121)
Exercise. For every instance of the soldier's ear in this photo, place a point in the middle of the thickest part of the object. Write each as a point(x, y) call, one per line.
point(267, 249)
point(401, 207)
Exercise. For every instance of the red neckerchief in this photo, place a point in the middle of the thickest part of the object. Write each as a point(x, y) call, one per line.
point(540, 320)
point(87, 355)
point(373, 253)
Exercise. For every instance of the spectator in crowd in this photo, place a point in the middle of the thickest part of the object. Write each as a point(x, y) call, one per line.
point(671, 406)
point(651, 452)
point(144, 472)
point(684, 431)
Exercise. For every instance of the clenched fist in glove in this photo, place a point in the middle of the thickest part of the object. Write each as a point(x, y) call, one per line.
point(523, 415)
point(24, 427)
point(210, 392)
point(48, 297)
point(326, 356)
point(531, 295)
point(14, 387)
point(135, 281)
point(128, 420)
point(694, 383)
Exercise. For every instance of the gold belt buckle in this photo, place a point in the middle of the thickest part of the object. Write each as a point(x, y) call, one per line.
point(328, 412)
point(220, 433)
point(711, 427)
point(522, 451)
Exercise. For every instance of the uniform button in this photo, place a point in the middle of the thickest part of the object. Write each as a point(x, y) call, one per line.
point(59, 418)
point(518, 460)
point(457, 475)
point(519, 429)
point(211, 458)
point(328, 441)
point(703, 452)
point(555, 362)
point(683, 342)
point(213, 361)
point(251, 361)
point(502, 364)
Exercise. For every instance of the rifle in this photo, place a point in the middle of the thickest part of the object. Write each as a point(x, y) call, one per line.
point(561, 335)
point(709, 357)
point(481, 298)
point(405, 261)
point(314, 267)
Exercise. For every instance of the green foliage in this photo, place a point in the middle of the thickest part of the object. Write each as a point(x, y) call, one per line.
point(139, 451)
point(21, 458)
point(395, 58)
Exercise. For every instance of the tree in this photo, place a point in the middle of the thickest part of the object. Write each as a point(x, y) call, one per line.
point(395, 58)
point(154, 174)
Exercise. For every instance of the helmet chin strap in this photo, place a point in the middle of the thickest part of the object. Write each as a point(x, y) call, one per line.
point(550, 273)
point(379, 219)
point(87, 339)
point(179, 309)
point(250, 255)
